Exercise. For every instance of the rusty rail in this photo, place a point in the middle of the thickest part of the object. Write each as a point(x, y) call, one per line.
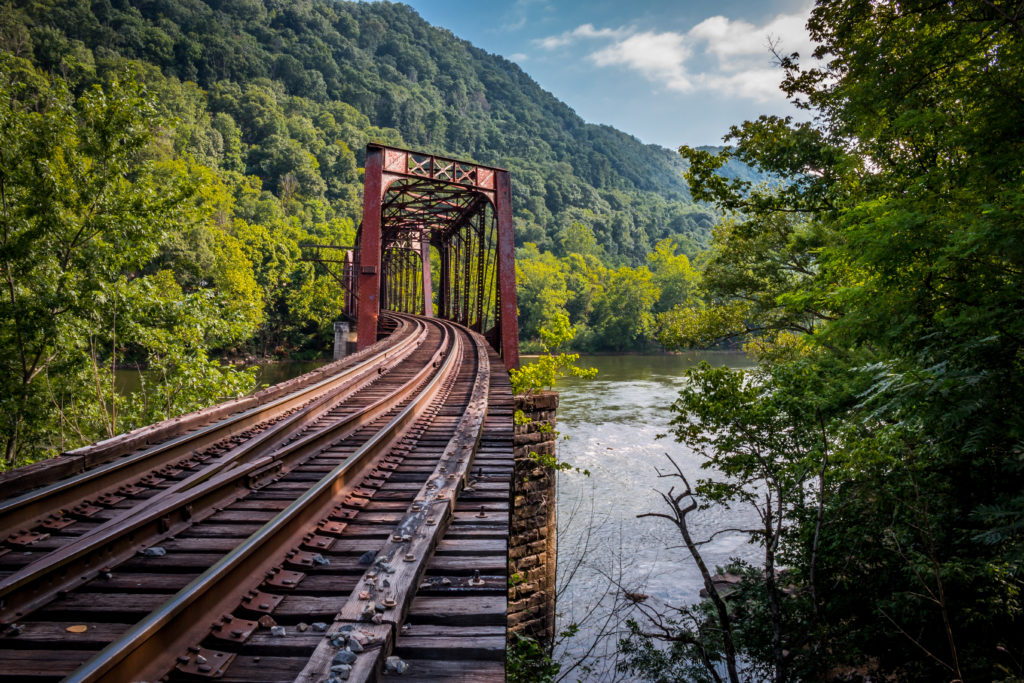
point(190, 433)
point(176, 507)
point(151, 646)
point(356, 467)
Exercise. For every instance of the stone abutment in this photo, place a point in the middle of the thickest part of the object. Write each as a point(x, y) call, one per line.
point(532, 542)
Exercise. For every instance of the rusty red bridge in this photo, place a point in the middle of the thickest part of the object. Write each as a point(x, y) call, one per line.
point(349, 524)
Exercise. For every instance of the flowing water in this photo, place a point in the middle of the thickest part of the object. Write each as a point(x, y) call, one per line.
point(612, 423)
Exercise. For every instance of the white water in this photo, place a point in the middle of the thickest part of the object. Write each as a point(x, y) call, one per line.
point(612, 423)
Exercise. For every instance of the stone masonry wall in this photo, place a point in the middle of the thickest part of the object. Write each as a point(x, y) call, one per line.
point(532, 549)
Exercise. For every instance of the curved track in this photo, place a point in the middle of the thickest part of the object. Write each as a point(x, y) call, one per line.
point(277, 541)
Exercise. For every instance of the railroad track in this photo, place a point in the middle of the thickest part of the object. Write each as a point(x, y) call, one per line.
point(352, 514)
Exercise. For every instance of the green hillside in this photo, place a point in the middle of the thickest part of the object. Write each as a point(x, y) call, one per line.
point(305, 83)
point(161, 162)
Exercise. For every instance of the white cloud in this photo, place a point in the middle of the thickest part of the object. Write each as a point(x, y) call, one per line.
point(658, 56)
point(517, 13)
point(732, 40)
point(583, 31)
point(518, 57)
point(757, 84)
point(718, 54)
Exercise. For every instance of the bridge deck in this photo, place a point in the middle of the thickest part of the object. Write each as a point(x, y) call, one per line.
point(457, 631)
point(370, 505)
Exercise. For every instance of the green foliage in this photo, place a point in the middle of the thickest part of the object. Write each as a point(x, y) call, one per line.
point(622, 311)
point(610, 309)
point(529, 661)
point(294, 95)
point(888, 248)
point(552, 463)
point(672, 275)
point(85, 202)
point(542, 374)
point(545, 371)
point(761, 276)
point(766, 437)
point(91, 218)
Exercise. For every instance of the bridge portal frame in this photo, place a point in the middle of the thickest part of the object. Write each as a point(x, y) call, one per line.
point(386, 165)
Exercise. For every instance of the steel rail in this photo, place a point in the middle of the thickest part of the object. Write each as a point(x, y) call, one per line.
point(31, 507)
point(169, 512)
point(150, 646)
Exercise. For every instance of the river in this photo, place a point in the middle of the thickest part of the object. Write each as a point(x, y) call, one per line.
point(612, 423)
point(128, 381)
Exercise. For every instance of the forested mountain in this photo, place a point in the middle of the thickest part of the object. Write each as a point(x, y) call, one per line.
point(295, 89)
point(162, 161)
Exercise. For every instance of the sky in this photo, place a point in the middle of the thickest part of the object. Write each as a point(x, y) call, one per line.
point(669, 72)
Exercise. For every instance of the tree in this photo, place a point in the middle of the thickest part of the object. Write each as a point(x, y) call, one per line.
point(765, 439)
point(893, 258)
point(579, 239)
point(672, 275)
point(80, 205)
point(95, 215)
point(622, 311)
point(762, 275)
point(541, 289)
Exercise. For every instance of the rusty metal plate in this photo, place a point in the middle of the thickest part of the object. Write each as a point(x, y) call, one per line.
point(388, 466)
point(283, 578)
point(108, 500)
point(381, 475)
point(334, 529)
point(363, 492)
point(57, 522)
point(130, 491)
point(341, 513)
point(85, 510)
point(317, 543)
point(151, 480)
point(485, 178)
point(231, 629)
point(205, 663)
point(25, 537)
point(355, 502)
point(302, 559)
point(260, 602)
point(395, 160)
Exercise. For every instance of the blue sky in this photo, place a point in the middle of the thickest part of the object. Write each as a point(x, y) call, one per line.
point(667, 72)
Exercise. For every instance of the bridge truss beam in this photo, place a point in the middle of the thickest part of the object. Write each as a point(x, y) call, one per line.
point(413, 203)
